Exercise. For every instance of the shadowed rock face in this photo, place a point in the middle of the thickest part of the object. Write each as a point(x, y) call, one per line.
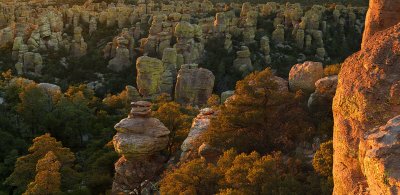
point(381, 15)
point(367, 97)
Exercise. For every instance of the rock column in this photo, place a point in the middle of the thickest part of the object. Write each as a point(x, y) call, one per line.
point(139, 140)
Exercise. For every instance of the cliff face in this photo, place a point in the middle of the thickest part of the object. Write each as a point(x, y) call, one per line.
point(368, 96)
point(381, 15)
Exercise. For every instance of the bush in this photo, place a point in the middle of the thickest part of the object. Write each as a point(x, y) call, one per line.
point(333, 69)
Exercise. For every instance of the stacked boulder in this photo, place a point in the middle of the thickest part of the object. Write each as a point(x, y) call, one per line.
point(242, 62)
point(122, 56)
point(139, 140)
point(189, 42)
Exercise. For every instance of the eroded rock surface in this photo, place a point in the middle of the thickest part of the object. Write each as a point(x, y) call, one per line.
point(366, 98)
point(379, 157)
point(381, 15)
point(200, 124)
point(139, 140)
point(194, 85)
point(303, 76)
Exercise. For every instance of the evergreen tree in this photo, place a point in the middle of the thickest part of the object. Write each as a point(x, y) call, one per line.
point(24, 171)
point(48, 177)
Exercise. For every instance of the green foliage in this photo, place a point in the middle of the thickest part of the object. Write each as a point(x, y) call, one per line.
point(238, 174)
point(323, 159)
point(323, 165)
point(25, 166)
point(177, 119)
point(332, 69)
point(260, 117)
point(48, 177)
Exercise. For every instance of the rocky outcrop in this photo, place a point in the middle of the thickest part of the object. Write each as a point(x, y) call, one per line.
point(139, 140)
point(321, 99)
point(379, 157)
point(225, 95)
point(122, 56)
point(200, 124)
point(242, 62)
point(367, 96)
point(381, 15)
point(194, 85)
point(303, 76)
point(149, 74)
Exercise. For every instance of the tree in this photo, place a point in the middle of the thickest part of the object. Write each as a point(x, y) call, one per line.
point(48, 177)
point(171, 114)
point(25, 166)
point(260, 117)
point(34, 106)
point(193, 177)
point(323, 165)
point(323, 159)
point(237, 174)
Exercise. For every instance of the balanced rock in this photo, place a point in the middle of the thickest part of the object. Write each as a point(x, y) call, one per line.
point(303, 76)
point(139, 140)
point(243, 62)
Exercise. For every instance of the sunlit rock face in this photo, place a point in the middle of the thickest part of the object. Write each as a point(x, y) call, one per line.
point(303, 76)
point(200, 124)
point(194, 85)
point(381, 15)
point(367, 96)
point(149, 75)
point(139, 140)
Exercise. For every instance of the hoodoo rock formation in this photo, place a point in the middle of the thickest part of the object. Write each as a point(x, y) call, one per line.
point(367, 96)
point(200, 124)
point(194, 85)
point(381, 15)
point(139, 140)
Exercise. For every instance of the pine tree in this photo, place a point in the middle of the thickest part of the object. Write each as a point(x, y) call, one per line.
point(24, 171)
point(48, 177)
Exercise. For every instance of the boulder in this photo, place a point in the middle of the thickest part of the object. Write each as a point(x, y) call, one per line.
point(225, 95)
point(379, 157)
point(122, 56)
point(194, 85)
point(243, 62)
point(321, 99)
point(303, 76)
